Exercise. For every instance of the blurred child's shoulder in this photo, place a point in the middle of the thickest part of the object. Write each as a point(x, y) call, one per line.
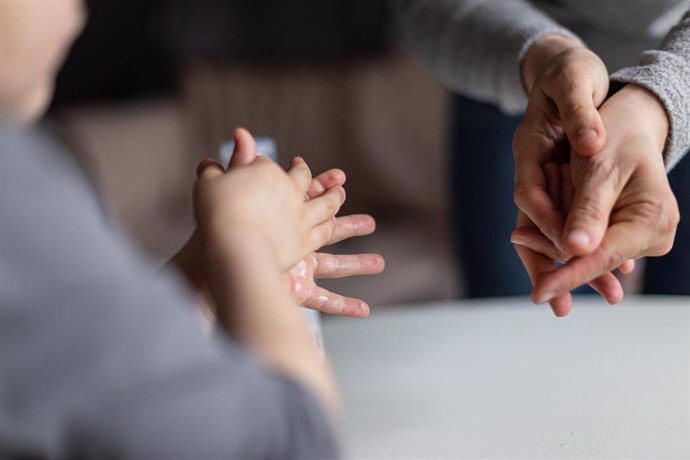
point(35, 167)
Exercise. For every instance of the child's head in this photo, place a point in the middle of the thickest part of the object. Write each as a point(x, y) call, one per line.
point(34, 38)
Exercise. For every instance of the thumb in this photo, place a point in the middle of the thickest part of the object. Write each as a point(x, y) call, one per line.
point(245, 149)
point(581, 121)
point(588, 218)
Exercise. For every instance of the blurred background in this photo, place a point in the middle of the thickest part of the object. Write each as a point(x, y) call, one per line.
point(152, 87)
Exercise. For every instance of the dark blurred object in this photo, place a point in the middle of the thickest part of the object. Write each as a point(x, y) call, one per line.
point(126, 49)
point(280, 30)
point(133, 47)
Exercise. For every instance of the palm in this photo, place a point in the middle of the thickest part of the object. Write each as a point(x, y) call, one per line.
point(302, 280)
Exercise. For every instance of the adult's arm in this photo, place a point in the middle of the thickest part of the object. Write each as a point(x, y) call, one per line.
point(477, 46)
point(664, 72)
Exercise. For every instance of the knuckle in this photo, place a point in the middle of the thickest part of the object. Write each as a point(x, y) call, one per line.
point(574, 114)
point(673, 216)
point(604, 169)
point(518, 140)
point(524, 194)
point(649, 212)
point(333, 203)
point(668, 225)
point(565, 75)
point(588, 209)
point(326, 233)
point(568, 79)
point(612, 259)
point(662, 248)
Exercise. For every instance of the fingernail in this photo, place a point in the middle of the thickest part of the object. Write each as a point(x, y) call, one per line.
point(545, 297)
point(343, 194)
point(587, 136)
point(579, 237)
point(559, 314)
point(518, 240)
point(203, 164)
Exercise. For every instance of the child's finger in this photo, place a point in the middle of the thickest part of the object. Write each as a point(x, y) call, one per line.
point(335, 304)
point(245, 149)
point(320, 235)
point(325, 207)
point(300, 174)
point(208, 168)
point(324, 181)
point(347, 227)
point(329, 266)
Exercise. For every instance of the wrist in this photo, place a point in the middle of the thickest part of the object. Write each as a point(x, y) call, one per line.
point(542, 51)
point(645, 112)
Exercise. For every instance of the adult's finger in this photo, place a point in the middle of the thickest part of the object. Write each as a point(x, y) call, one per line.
point(532, 198)
point(324, 181)
point(567, 189)
point(245, 149)
point(300, 173)
point(536, 264)
point(554, 182)
point(627, 267)
point(594, 199)
point(335, 304)
point(532, 149)
point(607, 284)
point(623, 241)
point(354, 225)
point(609, 287)
point(578, 87)
point(341, 266)
point(535, 240)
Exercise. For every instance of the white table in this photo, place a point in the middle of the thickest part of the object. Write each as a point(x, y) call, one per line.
point(506, 379)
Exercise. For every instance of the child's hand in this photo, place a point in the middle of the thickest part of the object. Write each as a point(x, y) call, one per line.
point(263, 200)
point(318, 265)
point(302, 277)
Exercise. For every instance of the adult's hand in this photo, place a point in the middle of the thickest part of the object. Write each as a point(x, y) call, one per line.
point(539, 255)
point(566, 84)
point(622, 201)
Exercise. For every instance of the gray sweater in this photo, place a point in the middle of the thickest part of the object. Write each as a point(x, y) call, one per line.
point(475, 46)
point(99, 358)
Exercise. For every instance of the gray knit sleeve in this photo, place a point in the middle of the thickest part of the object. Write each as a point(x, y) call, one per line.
point(666, 73)
point(476, 46)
